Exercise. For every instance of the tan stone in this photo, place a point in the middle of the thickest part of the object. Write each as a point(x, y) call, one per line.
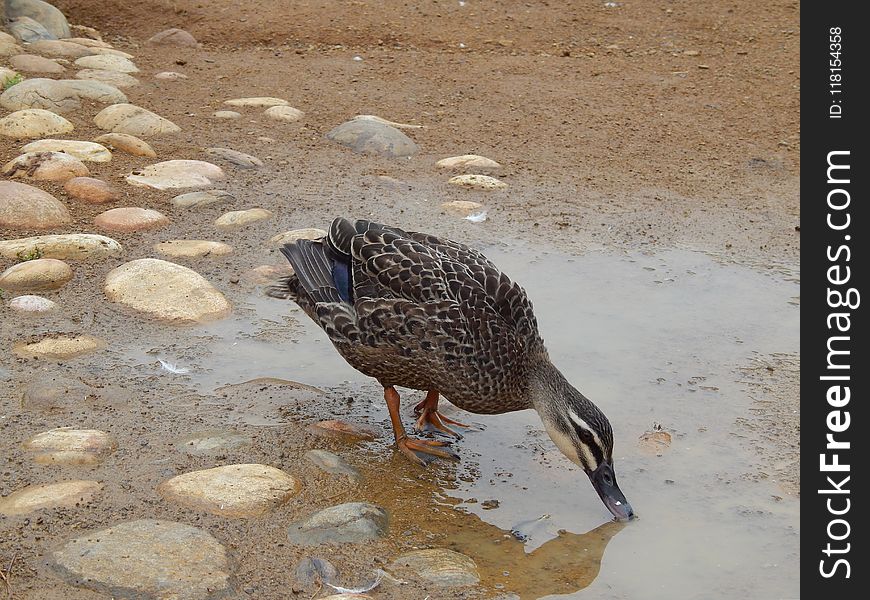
point(115, 78)
point(126, 143)
point(60, 347)
point(130, 218)
point(134, 120)
point(84, 151)
point(23, 206)
point(90, 190)
point(33, 123)
point(36, 497)
point(45, 166)
point(257, 101)
point(39, 275)
point(75, 246)
point(243, 490)
point(176, 174)
point(60, 48)
point(480, 182)
point(107, 62)
point(165, 291)
point(240, 218)
point(192, 248)
point(35, 64)
point(287, 114)
point(468, 161)
point(226, 114)
point(70, 446)
point(296, 234)
point(463, 208)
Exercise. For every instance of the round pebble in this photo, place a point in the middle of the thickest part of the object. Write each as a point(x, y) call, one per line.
point(199, 199)
point(23, 206)
point(286, 114)
point(107, 62)
point(170, 76)
point(75, 246)
point(35, 64)
point(173, 37)
point(126, 143)
point(60, 347)
point(29, 304)
point(243, 490)
point(70, 446)
point(130, 218)
point(90, 190)
point(134, 120)
point(35, 497)
point(468, 161)
point(84, 151)
point(226, 114)
point(257, 101)
point(40, 275)
point(440, 566)
point(176, 174)
point(240, 218)
point(463, 208)
point(480, 182)
point(33, 123)
point(45, 166)
point(192, 248)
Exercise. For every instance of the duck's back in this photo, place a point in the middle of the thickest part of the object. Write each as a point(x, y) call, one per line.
point(418, 311)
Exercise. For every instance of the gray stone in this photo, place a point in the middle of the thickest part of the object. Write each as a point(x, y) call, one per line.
point(332, 463)
point(352, 522)
point(60, 48)
point(199, 199)
point(44, 13)
point(31, 305)
point(239, 159)
point(28, 30)
point(59, 95)
point(372, 137)
point(146, 559)
point(314, 570)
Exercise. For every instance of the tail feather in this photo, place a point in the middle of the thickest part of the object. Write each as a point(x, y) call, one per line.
point(313, 269)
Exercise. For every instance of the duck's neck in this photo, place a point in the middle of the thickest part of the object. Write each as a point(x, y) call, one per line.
point(554, 397)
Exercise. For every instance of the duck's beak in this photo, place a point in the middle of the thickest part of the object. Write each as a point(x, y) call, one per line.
point(604, 481)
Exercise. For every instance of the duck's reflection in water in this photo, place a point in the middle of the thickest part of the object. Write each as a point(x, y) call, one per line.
point(563, 565)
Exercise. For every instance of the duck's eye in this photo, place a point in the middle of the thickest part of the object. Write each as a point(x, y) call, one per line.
point(608, 479)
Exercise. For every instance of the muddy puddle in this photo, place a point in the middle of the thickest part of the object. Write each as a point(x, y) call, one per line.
point(656, 340)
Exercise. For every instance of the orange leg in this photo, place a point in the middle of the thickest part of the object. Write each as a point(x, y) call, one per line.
point(421, 452)
point(430, 418)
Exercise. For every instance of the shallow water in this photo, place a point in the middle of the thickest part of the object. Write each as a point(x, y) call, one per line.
point(654, 340)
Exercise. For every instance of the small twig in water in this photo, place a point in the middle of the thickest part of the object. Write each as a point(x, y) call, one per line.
point(7, 577)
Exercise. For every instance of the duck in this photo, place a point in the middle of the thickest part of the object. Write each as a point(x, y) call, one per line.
point(427, 313)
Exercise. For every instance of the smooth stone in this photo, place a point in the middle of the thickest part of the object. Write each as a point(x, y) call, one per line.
point(479, 182)
point(59, 48)
point(343, 430)
point(9, 48)
point(113, 52)
point(59, 95)
point(314, 570)
point(134, 120)
point(176, 174)
point(35, 64)
point(25, 29)
point(296, 234)
point(36, 497)
point(59, 348)
point(240, 218)
point(42, 12)
point(348, 523)
point(210, 442)
point(244, 490)
point(23, 206)
point(440, 566)
point(192, 248)
point(90, 190)
point(115, 78)
point(84, 151)
point(199, 199)
point(55, 392)
point(30, 304)
point(463, 208)
point(257, 101)
point(107, 62)
point(126, 143)
point(39, 275)
point(287, 114)
point(267, 274)
point(45, 166)
point(226, 114)
point(332, 463)
point(173, 37)
point(70, 446)
point(170, 76)
point(147, 559)
point(347, 597)
point(239, 159)
point(33, 123)
point(468, 161)
point(373, 137)
point(75, 246)
point(130, 218)
point(165, 291)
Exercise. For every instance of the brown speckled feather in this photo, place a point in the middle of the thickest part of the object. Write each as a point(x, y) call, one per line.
point(426, 313)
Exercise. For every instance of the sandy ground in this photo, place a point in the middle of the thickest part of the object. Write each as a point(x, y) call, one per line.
point(645, 126)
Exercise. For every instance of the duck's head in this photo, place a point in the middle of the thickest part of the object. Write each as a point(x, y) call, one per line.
point(583, 434)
